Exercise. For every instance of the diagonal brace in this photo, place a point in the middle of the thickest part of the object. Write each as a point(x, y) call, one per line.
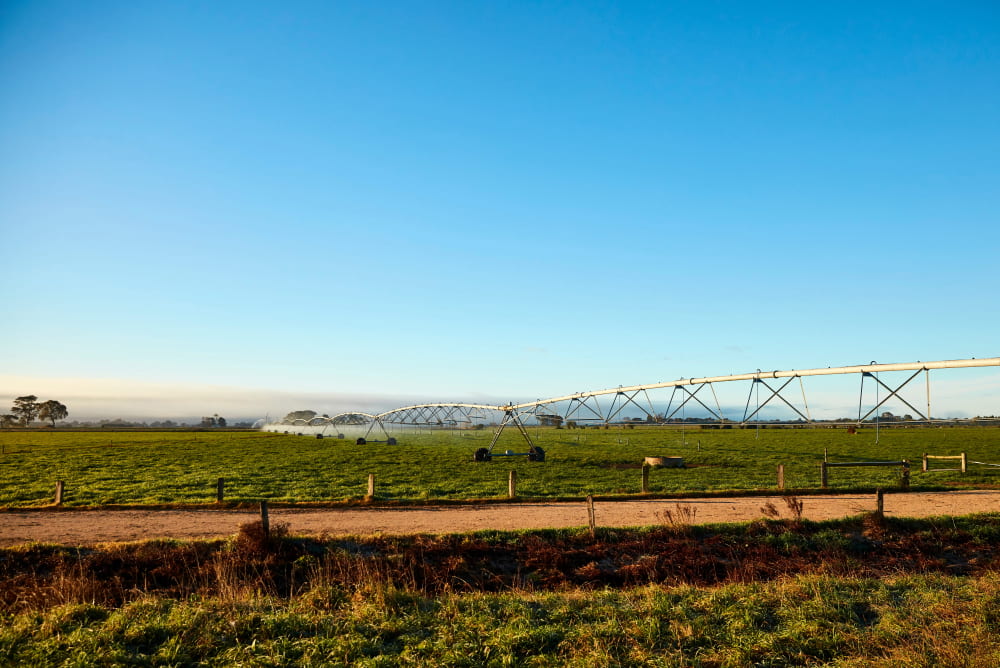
point(892, 393)
point(510, 415)
point(775, 393)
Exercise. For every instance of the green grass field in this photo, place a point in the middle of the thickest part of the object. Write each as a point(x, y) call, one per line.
point(926, 620)
point(182, 467)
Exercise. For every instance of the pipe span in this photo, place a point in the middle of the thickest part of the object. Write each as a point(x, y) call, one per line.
point(829, 371)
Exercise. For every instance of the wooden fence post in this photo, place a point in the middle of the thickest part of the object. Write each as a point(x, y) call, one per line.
point(591, 520)
point(265, 521)
point(879, 503)
point(965, 462)
point(781, 476)
point(645, 479)
point(822, 475)
point(904, 482)
point(220, 485)
point(924, 467)
point(371, 486)
point(512, 485)
point(60, 488)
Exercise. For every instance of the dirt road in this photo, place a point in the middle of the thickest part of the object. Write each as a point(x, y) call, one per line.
point(87, 527)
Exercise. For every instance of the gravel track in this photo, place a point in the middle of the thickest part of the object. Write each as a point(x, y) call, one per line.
point(89, 527)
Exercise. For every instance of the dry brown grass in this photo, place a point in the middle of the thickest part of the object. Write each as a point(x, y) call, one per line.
point(251, 564)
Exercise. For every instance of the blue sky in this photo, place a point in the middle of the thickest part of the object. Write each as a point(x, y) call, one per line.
point(507, 200)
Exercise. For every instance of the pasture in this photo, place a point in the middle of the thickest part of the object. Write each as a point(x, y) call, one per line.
point(151, 468)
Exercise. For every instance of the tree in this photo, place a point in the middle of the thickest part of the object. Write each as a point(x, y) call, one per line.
point(298, 415)
point(25, 408)
point(220, 422)
point(7, 420)
point(549, 419)
point(52, 410)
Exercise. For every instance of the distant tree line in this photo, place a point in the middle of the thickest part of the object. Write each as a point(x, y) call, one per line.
point(27, 408)
point(157, 424)
point(300, 415)
point(213, 421)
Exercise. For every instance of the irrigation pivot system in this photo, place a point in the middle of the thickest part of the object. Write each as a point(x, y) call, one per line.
point(658, 403)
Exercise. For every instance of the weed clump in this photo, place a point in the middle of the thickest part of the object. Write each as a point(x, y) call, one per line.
point(770, 511)
point(680, 518)
point(794, 506)
point(254, 539)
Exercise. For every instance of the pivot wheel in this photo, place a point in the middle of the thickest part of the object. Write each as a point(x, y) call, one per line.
point(482, 455)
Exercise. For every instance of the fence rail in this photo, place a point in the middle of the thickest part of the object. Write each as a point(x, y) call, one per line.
point(904, 465)
point(962, 459)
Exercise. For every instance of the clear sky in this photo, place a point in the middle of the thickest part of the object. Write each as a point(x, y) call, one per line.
point(463, 200)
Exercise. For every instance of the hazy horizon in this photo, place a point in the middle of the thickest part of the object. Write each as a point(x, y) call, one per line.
point(956, 393)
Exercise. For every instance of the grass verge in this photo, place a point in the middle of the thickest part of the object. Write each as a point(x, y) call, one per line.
point(858, 591)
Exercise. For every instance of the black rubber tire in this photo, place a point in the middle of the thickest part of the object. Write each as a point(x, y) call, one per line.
point(536, 454)
point(482, 455)
point(362, 441)
point(391, 441)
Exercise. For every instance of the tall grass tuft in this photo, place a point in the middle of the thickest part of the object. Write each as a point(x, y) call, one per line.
point(680, 518)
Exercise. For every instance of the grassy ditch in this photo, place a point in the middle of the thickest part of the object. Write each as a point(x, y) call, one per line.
point(157, 468)
point(849, 592)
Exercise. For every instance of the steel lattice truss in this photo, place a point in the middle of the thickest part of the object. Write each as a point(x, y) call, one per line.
point(674, 398)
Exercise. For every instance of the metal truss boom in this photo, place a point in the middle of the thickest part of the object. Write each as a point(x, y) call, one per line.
point(829, 371)
point(587, 407)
